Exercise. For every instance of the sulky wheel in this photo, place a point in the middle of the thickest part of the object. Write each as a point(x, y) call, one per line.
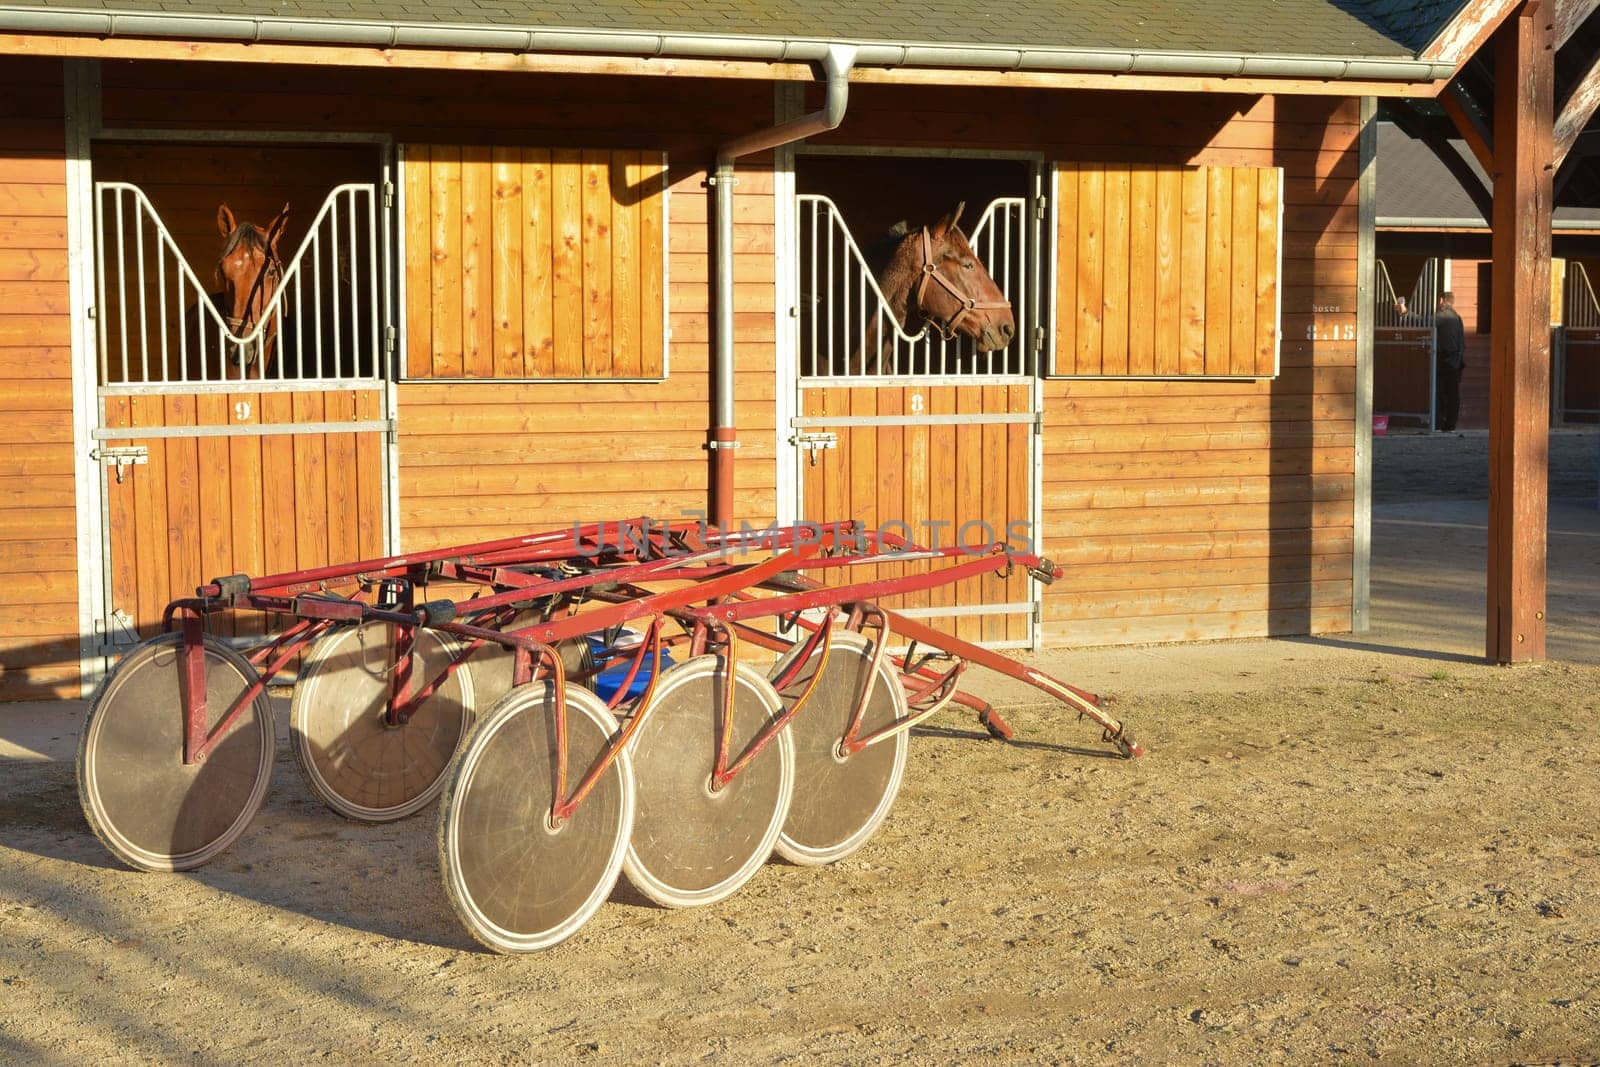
point(359, 765)
point(145, 805)
point(840, 802)
point(692, 845)
point(518, 884)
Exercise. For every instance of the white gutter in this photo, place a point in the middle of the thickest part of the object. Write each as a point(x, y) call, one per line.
point(465, 37)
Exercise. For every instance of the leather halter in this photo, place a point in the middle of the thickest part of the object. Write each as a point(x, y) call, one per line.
point(930, 272)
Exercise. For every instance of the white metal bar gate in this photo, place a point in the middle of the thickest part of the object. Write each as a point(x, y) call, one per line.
point(160, 325)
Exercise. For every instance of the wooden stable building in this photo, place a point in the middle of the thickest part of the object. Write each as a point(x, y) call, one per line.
point(511, 225)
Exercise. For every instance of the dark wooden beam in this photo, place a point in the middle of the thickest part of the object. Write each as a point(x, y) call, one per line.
point(1570, 14)
point(1576, 111)
point(1586, 146)
point(1458, 105)
point(1415, 125)
point(1519, 361)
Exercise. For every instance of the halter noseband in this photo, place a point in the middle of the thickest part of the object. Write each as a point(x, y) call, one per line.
point(930, 271)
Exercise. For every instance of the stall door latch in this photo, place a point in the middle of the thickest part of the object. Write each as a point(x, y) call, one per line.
point(119, 458)
point(812, 443)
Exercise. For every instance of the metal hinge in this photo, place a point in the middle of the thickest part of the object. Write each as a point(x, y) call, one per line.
point(1039, 206)
point(1038, 422)
point(388, 195)
point(1038, 338)
point(118, 458)
point(390, 337)
point(117, 634)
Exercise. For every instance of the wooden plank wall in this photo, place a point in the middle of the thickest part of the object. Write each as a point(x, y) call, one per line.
point(1195, 509)
point(493, 459)
point(38, 526)
point(536, 263)
point(1167, 270)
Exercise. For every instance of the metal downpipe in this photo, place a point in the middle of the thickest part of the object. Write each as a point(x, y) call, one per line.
point(723, 438)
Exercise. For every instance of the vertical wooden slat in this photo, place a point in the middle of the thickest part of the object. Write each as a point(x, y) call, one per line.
point(183, 500)
point(1219, 258)
point(538, 309)
point(832, 462)
point(1066, 273)
point(1091, 268)
point(995, 499)
point(369, 478)
point(625, 264)
point(342, 505)
point(969, 498)
point(891, 468)
point(566, 173)
point(1192, 274)
point(310, 484)
point(1114, 342)
point(419, 261)
point(1268, 214)
point(597, 355)
point(916, 480)
point(445, 207)
point(863, 444)
point(1019, 484)
point(652, 253)
point(215, 494)
point(1168, 268)
point(245, 501)
point(477, 263)
point(815, 503)
point(506, 280)
point(121, 503)
point(278, 486)
point(1142, 271)
point(942, 475)
point(150, 517)
point(1242, 348)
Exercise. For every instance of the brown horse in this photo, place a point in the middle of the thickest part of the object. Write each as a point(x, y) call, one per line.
point(247, 274)
point(931, 278)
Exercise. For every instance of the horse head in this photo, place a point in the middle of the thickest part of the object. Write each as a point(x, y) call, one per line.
point(949, 289)
point(249, 269)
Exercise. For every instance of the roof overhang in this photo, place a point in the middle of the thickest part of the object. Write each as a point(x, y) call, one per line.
point(180, 35)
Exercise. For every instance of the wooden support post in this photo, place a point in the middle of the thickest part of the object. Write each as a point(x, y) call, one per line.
point(1519, 363)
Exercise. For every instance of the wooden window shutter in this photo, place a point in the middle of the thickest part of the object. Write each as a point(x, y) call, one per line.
point(1167, 271)
point(534, 263)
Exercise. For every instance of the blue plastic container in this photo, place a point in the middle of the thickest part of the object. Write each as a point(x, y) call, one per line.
point(608, 681)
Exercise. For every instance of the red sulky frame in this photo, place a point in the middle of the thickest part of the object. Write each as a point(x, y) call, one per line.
point(730, 582)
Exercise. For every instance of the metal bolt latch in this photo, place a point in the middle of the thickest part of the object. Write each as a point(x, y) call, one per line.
point(814, 442)
point(118, 458)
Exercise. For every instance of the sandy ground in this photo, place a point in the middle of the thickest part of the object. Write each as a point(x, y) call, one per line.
point(1366, 847)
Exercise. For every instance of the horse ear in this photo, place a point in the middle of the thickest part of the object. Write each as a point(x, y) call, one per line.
point(225, 221)
point(948, 223)
point(275, 231)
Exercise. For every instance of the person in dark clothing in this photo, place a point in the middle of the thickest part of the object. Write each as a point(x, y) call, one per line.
point(1450, 341)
